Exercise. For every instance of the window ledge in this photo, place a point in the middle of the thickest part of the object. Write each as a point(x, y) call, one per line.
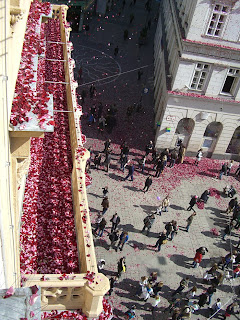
point(227, 95)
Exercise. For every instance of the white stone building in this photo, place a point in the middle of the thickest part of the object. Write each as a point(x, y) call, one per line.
point(197, 76)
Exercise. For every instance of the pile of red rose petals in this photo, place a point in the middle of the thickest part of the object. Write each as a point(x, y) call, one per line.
point(48, 239)
point(26, 97)
point(106, 314)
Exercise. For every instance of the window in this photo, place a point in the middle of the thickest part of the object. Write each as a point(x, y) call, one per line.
point(231, 81)
point(217, 21)
point(200, 75)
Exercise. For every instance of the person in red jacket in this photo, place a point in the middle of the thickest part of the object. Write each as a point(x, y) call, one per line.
point(197, 259)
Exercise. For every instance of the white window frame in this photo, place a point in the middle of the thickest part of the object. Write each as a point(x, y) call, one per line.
point(218, 13)
point(235, 73)
point(199, 67)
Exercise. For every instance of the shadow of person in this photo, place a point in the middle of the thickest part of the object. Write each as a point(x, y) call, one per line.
point(115, 177)
point(181, 260)
point(131, 188)
point(175, 207)
point(137, 246)
point(148, 209)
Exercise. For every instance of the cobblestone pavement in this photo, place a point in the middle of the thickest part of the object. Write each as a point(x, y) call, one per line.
point(94, 51)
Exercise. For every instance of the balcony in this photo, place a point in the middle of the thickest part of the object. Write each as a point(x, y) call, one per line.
point(56, 246)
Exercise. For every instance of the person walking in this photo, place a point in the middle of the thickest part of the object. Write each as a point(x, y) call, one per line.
point(102, 226)
point(230, 310)
point(140, 73)
point(123, 161)
point(148, 222)
point(192, 203)
point(130, 172)
point(190, 220)
point(169, 228)
point(121, 266)
point(183, 285)
point(174, 230)
point(105, 205)
point(114, 237)
point(123, 239)
point(205, 196)
point(231, 205)
point(97, 160)
point(92, 90)
point(142, 162)
point(116, 51)
point(173, 158)
point(198, 157)
point(148, 183)
point(107, 144)
point(165, 204)
point(156, 301)
point(227, 230)
point(197, 259)
point(131, 313)
point(202, 299)
point(112, 282)
point(223, 171)
point(216, 306)
point(181, 154)
point(97, 222)
point(162, 239)
point(107, 161)
point(237, 172)
point(229, 167)
point(159, 168)
point(101, 124)
point(210, 291)
point(115, 221)
point(105, 191)
point(149, 148)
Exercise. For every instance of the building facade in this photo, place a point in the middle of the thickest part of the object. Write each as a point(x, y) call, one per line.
point(197, 69)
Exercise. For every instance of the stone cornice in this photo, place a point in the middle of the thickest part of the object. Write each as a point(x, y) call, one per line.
point(209, 49)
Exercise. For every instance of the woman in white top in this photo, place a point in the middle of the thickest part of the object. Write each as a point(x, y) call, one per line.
point(198, 157)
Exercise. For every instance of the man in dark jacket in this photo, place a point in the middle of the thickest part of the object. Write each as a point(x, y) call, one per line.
point(105, 205)
point(130, 172)
point(148, 183)
point(223, 170)
point(148, 222)
point(113, 237)
point(173, 158)
point(204, 197)
point(162, 238)
point(115, 221)
point(192, 203)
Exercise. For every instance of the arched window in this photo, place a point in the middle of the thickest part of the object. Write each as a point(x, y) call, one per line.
point(234, 144)
point(184, 130)
point(213, 130)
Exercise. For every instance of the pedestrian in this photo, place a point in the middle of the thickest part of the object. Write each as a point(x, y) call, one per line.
point(97, 160)
point(197, 259)
point(149, 148)
point(131, 18)
point(181, 153)
point(202, 250)
point(101, 124)
point(183, 285)
point(121, 266)
point(80, 73)
point(236, 271)
point(165, 204)
point(97, 222)
point(139, 75)
point(142, 162)
point(202, 299)
point(123, 239)
point(100, 109)
point(157, 287)
point(223, 171)
point(229, 167)
point(114, 237)
point(130, 172)
point(152, 279)
point(169, 228)
point(191, 293)
point(130, 314)
point(229, 258)
point(148, 222)
point(159, 168)
point(230, 310)
point(156, 301)
point(174, 230)
point(105, 191)
point(101, 264)
point(116, 51)
point(210, 291)
point(146, 292)
point(190, 220)
point(173, 158)
point(91, 120)
point(123, 161)
point(107, 160)
point(142, 283)
point(162, 239)
point(231, 205)
point(102, 226)
point(125, 34)
point(105, 205)
point(148, 183)
point(192, 203)
point(198, 157)
point(107, 144)
point(216, 306)
point(92, 90)
point(205, 196)
point(115, 221)
point(227, 230)
point(112, 282)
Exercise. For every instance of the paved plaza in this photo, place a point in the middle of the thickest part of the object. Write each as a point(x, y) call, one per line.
point(115, 79)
